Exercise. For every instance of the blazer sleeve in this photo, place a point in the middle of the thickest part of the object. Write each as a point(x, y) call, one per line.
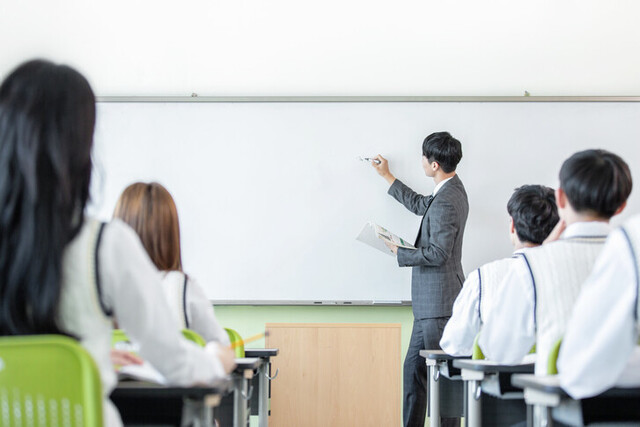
point(440, 231)
point(416, 203)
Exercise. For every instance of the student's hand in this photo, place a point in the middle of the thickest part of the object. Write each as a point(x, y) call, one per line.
point(393, 247)
point(228, 358)
point(556, 232)
point(124, 358)
point(383, 168)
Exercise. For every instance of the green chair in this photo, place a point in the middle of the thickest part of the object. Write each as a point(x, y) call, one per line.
point(48, 380)
point(194, 336)
point(236, 342)
point(119, 335)
point(552, 366)
point(477, 352)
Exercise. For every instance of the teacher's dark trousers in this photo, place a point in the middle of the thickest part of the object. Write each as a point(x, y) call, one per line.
point(425, 335)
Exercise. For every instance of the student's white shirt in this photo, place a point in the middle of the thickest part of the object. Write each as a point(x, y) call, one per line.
point(130, 287)
point(510, 333)
point(465, 322)
point(199, 315)
point(599, 348)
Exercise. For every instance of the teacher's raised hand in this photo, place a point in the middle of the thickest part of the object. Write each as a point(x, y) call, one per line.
point(383, 168)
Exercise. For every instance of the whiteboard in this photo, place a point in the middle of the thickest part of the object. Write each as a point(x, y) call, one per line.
point(271, 196)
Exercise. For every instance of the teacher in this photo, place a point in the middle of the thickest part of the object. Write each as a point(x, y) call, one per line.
point(437, 274)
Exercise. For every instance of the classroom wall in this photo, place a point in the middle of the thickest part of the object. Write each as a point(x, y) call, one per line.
point(333, 47)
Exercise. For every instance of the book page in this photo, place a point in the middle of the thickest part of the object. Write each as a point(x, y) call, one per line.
point(374, 235)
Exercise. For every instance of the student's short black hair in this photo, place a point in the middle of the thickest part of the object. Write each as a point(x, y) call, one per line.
point(534, 212)
point(596, 182)
point(441, 147)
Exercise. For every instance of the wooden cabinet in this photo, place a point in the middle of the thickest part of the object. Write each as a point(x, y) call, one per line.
point(335, 374)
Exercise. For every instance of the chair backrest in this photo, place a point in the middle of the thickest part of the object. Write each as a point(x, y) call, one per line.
point(194, 336)
point(236, 342)
point(120, 336)
point(552, 360)
point(477, 352)
point(48, 380)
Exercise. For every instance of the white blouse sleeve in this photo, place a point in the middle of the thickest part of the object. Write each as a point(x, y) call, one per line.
point(131, 287)
point(601, 335)
point(201, 315)
point(509, 332)
point(464, 324)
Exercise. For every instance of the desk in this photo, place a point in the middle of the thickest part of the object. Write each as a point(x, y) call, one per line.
point(495, 380)
point(241, 377)
point(264, 380)
point(439, 364)
point(614, 405)
point(195, 402)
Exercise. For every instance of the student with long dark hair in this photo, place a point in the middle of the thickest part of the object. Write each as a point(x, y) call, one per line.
point(63, 273)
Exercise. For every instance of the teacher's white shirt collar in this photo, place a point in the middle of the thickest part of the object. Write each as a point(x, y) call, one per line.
point(439, 186)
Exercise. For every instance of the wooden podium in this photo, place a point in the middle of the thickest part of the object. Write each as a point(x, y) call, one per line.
point(335, 374)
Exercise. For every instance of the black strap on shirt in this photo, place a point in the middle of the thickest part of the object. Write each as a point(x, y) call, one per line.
point(635, 267)
point(104, 308)
point(535, 294)
point(479, 295)
point(184, 302)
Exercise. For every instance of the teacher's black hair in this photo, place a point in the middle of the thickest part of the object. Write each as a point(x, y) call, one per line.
point(444, 149)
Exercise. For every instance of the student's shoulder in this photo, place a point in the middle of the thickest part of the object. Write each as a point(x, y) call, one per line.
point(119, 240)
point(500, 263)
point(118, 230)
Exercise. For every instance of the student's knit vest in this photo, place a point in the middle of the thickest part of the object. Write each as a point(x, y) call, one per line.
point(174, 285)
point(80, 310)
point(631, 231)
point(490, 276)
point(558, 272)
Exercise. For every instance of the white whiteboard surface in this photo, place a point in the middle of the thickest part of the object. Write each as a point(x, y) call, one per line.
point(271, 196)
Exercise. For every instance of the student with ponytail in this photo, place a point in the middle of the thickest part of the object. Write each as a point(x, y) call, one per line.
point(64, 273)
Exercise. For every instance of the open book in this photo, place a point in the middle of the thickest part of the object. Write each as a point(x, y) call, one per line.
point(374, 235)
point(144, 372)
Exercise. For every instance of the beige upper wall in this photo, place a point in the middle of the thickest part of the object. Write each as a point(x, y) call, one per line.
point(333, 47)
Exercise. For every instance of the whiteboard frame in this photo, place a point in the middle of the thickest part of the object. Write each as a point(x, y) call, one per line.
point(196, 98)
point(348, 99)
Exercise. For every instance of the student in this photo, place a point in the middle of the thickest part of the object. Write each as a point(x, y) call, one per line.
point(600, 348)
point(540, 290)
point(533, 214)
point(150, 210)
point(64, 273)
point(437, 275)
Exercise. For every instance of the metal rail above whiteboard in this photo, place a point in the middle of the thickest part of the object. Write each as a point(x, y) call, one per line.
point(368, 98)
point(316, 303)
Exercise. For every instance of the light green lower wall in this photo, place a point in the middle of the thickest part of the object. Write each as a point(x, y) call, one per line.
point(251, 320)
